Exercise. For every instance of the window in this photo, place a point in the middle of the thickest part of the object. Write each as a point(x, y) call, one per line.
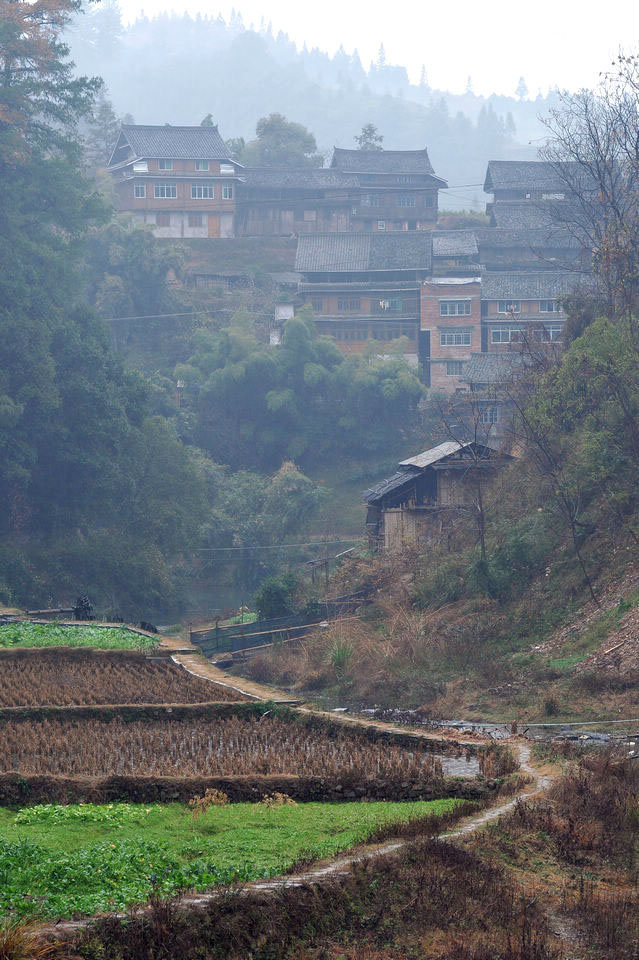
point(547, 334)
point(454, 368)
point(370, 200)
point(489, 415)
point(381, 225)
point(553, 196)
point(163, 219)
point(202, 191)
point(348, 304)
point(227, 191)
point(408, 332)
point(509, 306)
point(141, 167)
point(165, 191)
point(394, 303)
point(310, 215)
point(165, 164)
point(403, 178)
point(227, 169)
point(506, 335)
point(139, 191)
point(202, 164)
point(317, 304)
point(406, 200)
point(195, 219)
point(455, 337)
point(454, 308)
point(548, 306)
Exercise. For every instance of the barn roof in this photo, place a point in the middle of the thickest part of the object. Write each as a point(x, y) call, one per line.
point(387, 486)
point(412, 467)
point(440, 452)
point(174, 143)
point(529, 286)
point(363, 252)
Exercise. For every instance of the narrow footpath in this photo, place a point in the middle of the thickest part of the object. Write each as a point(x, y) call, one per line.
point(196, 664)
point(341, 866)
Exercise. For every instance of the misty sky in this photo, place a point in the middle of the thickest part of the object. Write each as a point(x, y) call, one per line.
point(549, 42)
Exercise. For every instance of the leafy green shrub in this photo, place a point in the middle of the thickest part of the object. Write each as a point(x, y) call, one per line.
point(276, 596)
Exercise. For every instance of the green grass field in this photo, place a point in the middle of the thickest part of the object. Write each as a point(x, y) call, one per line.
point(83, 858)
point(54, 635)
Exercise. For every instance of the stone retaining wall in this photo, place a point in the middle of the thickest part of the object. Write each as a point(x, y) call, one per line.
point(25, 790)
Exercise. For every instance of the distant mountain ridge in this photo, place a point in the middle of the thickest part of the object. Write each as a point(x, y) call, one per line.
point(177, 69)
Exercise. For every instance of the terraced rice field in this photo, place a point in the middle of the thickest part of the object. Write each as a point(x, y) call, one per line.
point(203, 747)
point(53, 679)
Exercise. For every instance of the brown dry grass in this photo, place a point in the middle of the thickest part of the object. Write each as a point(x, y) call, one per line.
point(218, 747)
point(386, 657)
point(23, 941)
point(69, 680)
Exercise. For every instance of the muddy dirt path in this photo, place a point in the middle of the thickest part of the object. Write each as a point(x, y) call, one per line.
point(197, 665)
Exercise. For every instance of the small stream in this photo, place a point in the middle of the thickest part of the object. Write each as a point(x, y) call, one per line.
point(618, 731)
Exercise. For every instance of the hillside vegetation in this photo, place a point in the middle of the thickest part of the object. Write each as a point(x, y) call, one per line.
point(521, 630)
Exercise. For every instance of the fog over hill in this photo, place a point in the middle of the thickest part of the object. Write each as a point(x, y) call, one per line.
point(176, 69)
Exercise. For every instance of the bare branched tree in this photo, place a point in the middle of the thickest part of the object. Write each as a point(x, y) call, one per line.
point(593, 148)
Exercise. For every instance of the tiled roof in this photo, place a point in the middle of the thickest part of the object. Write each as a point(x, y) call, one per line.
point(454, 243)
point(529, 286)
point(435, 454)
point(491, 367)
point(384, 487)
point(382, 161)
point(362, 252)
point(526, 215)
point(175, 143)
point(414, 465)
point(530, 239)
point(297, 177)
point(533, 174)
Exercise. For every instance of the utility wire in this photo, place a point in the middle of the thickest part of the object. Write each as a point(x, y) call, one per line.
point(279, 546)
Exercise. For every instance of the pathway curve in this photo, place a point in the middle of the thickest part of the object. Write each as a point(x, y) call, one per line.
point(199, 666)
point(341, 866)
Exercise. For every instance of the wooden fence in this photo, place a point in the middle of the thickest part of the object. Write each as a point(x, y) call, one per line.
point(242, 636)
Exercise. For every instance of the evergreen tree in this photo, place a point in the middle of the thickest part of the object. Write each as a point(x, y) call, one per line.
point(370, 138)
point(102, 133)
point(80, 460)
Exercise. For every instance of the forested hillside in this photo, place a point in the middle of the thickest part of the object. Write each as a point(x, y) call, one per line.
point(113, 485)
point(177, 69)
